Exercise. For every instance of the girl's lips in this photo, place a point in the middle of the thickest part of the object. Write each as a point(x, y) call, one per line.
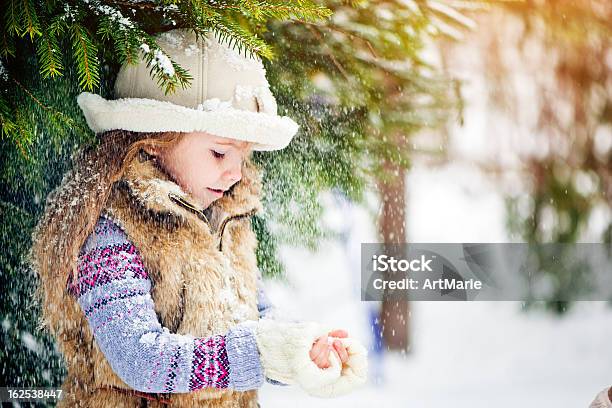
point(217, 193)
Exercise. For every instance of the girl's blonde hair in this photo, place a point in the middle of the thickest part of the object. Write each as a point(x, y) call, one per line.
point(73, 208)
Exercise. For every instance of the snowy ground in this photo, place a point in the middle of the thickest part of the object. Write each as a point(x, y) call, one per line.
point(464, 354)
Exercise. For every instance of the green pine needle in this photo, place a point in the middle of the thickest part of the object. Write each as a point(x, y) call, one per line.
point(85, 53)
point(29, 19)
point(49, 55)
point(11, 18)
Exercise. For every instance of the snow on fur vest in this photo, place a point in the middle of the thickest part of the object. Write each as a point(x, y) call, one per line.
point(204, 274)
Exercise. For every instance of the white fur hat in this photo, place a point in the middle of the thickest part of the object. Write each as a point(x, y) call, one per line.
point(229, 96)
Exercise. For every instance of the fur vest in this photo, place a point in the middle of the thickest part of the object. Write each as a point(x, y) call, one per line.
point(203, 270)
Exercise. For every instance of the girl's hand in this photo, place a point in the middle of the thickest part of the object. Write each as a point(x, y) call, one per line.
point(319, 353)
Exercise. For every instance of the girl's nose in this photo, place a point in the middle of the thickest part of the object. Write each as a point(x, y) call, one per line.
point(234, 173)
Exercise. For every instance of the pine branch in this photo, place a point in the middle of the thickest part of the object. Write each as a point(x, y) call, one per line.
point(58, 26)
point(88, 23)
point(25, 130)
point(205, 18)
point(168, 73)
point(257, 11)
point(8, 46)
point(49, 56)
point(124, 33)
point(29, 19)
point(85, 53)
point(263, 10)
point(240, 39)
point(124, 41)
point(129, 43)
point(18, 127)
point(11, 18)
point(7, 120)
point(15, 127)
point(129, 40)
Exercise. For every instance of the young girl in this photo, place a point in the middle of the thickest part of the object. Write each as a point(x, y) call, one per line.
point(146, 255)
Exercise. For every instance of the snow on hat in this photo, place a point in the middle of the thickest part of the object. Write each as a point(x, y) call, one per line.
point(229, 96)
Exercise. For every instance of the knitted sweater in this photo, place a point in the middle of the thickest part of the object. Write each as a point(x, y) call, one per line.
point(113, 289)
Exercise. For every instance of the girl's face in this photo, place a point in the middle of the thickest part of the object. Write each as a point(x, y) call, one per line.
point(204, 165)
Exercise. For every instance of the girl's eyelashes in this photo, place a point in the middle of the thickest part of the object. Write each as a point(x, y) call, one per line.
point(217, 155)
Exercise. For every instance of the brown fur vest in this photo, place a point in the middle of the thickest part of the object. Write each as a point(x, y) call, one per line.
point(204, 275)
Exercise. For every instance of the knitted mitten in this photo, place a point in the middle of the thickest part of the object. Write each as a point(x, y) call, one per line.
point(284, 349)
point(353, 373)
point(602, 400)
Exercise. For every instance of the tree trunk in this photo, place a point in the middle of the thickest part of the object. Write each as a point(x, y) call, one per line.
point(394, 315)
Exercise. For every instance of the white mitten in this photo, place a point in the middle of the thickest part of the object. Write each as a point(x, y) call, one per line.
point(284, 349)
point(354, 372)
point(602, 400)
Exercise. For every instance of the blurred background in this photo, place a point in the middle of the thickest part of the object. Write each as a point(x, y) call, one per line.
point(526, 159)
point(421, 121)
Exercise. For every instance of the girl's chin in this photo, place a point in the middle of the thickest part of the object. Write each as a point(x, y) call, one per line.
point(205, 202)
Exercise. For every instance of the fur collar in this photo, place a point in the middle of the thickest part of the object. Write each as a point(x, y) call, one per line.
point(157, 195)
